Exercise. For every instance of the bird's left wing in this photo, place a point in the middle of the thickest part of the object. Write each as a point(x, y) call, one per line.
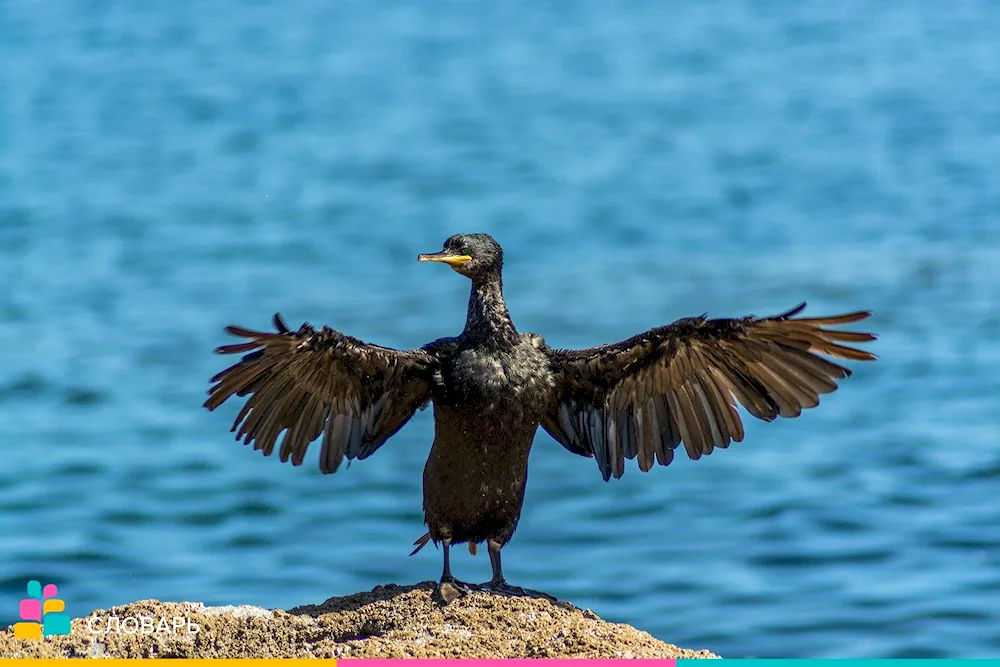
point(311, 382)
point(642, 397)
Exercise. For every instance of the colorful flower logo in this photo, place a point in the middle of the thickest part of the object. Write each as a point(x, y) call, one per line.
point(42, 613)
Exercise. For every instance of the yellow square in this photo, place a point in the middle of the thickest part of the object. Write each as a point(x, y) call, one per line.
point(54, 604)
point(28, 630)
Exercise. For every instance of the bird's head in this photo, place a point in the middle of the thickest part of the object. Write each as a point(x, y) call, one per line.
point(474, 255)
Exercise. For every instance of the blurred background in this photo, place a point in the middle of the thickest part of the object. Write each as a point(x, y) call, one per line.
point(170, 168)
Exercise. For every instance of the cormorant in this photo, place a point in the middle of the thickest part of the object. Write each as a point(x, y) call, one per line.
point(492, 387)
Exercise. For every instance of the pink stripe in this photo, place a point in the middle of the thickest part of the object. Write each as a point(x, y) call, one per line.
point(518, 662)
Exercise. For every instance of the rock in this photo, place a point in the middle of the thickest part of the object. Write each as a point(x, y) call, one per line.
point(390, 621)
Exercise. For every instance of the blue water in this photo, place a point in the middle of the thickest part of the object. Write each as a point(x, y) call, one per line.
point(170, 168)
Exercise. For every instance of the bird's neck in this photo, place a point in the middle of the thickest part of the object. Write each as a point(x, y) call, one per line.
point(488, 320)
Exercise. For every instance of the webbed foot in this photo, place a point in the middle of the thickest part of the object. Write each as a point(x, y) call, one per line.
point(503, 588)
point(450, 589)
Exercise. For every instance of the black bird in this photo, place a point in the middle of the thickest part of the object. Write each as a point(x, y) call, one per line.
point(491, 388)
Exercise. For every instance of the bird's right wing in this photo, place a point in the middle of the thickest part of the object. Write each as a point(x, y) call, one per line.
point(311, 382)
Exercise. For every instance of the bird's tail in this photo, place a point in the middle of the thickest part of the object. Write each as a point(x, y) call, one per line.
point(421, 542)
point(426, 537)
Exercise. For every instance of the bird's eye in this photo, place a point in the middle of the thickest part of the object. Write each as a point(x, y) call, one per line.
point(465, 250)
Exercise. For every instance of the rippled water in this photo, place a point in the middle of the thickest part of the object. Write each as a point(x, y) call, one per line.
point(170, 168)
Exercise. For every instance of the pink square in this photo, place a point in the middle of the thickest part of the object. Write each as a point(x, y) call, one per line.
point(31, 610)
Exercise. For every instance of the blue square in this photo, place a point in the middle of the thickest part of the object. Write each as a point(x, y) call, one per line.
point(56, 624)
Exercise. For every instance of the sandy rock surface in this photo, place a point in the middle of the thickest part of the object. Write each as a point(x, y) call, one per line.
point(389, 621)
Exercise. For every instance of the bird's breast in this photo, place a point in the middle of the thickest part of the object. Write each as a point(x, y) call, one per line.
point(488, 380)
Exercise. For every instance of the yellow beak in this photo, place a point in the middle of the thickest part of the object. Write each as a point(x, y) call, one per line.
point(445, 256)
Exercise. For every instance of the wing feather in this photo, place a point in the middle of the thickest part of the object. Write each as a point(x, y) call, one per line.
point(320, 382)
point(681, 384)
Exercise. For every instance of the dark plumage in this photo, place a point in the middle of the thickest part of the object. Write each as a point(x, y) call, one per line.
point(492, 387)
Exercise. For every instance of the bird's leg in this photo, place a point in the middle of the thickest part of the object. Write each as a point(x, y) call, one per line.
point(451, 588)
point(499, 585)
point(446, 574)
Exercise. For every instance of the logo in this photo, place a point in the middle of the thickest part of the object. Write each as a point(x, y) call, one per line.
point(42, 613)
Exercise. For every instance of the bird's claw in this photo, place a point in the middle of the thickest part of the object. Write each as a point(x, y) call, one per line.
point(503, 588)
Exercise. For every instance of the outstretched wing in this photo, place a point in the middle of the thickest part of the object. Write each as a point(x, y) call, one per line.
point(642, 397)
point(311, 382)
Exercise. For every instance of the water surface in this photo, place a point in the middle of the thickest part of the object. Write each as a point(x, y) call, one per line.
point(170, 168)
